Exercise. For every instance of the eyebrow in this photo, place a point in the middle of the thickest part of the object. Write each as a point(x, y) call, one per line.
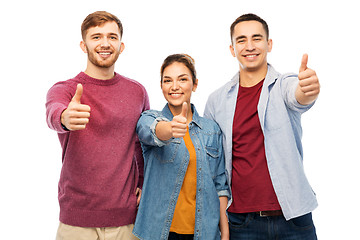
point(253, 36)
point(181, 75)
point(257, 35)
point(100, 34)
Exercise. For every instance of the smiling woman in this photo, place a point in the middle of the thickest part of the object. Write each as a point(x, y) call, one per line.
point(178, 142)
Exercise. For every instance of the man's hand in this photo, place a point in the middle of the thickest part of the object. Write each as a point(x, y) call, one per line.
point(138, 195)
point(177, 128)
point(309, 86)
point(76, 116)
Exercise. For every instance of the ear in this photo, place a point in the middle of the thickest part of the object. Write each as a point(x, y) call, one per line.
point(195, 85)
point(122, 47)
point(83, 46)
point(270, 44)
point(232, 50)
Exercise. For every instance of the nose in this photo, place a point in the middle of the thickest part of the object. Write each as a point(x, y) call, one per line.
point(250, 46)
point(105, 42)
point(175, 85)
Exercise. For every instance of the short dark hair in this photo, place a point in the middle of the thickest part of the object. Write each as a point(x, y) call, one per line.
point(249, 17)
point(181, 58)
point(99, 18)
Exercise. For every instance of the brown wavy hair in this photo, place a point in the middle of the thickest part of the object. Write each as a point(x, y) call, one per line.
point(99, 18)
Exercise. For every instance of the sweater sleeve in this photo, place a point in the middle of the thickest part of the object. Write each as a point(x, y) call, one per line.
point(57, 100)
point(138, 150)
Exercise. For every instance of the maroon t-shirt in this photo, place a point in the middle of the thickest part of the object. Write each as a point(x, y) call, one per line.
point(252, 188)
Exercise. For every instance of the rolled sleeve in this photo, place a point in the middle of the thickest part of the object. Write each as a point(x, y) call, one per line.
point(157, 141)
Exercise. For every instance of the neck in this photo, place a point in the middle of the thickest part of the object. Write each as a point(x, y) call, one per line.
point(99, 72)
point(251, 78)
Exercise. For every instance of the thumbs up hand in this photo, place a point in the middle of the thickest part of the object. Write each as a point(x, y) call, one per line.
point(176, 128)
point(309, 86)
point(178, 123)
point(76, 116)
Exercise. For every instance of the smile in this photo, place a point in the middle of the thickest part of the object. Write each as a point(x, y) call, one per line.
point(175, 95)
point(251, 56)
point(104, 54)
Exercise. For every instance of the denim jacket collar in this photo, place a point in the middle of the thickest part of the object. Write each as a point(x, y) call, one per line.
point(196, 118)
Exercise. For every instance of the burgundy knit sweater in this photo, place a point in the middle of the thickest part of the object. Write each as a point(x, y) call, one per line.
point(101, 165)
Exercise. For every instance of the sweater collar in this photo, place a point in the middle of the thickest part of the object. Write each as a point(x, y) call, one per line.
point(87, 79)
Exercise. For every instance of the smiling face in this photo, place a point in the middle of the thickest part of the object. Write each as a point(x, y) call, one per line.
point(177, 86)
point(250, 46)
point(103, 45)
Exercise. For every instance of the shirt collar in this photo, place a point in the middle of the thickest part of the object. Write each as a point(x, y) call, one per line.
point(271, 77)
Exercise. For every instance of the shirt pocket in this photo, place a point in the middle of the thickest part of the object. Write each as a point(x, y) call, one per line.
point(276, 117)
point(167, 153)
point(212, 157)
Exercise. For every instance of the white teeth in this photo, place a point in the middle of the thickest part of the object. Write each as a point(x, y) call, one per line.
point(107, 53)
point(251, 56)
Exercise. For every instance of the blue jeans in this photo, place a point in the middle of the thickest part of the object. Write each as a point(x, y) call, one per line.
point(251, 226)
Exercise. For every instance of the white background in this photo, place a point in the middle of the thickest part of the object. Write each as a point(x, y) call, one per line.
point(40, 46)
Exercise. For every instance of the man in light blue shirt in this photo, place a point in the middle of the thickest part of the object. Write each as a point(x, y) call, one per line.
point(282, 209)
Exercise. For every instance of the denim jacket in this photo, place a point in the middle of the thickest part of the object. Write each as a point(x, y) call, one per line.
point(165, 165)
point(280, 120)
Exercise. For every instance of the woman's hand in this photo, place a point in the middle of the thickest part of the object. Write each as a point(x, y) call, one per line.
point(177, 128)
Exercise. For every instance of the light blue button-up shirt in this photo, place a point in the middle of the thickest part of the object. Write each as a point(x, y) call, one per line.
point(280, 120)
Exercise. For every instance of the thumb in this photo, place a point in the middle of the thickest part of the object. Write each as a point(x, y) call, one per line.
point(304, 61)
point(78, 93)
point(184, 110)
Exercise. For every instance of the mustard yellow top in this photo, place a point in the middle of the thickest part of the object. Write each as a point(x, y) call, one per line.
point(184, 215)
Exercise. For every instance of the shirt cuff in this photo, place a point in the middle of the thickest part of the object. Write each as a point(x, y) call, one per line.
point(157, 141)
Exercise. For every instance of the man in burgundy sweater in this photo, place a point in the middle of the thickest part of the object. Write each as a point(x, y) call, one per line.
point(95, 116)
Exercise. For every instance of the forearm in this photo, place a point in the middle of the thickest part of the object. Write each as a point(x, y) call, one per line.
point(224, 225)
point(163, 131)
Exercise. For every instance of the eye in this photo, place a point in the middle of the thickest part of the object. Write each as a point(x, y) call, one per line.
point(183, 79)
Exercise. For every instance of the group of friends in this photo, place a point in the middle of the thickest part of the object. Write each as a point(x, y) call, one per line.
point(129, 172)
